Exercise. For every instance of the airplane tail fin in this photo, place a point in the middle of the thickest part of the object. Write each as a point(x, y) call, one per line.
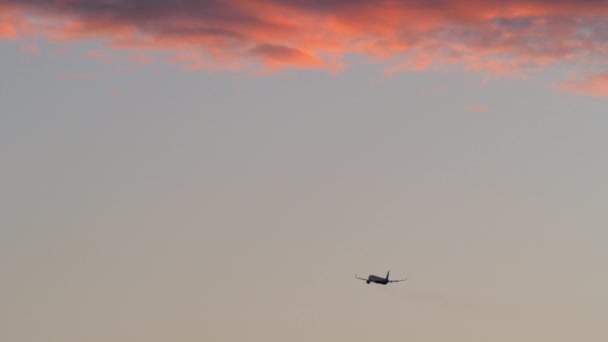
point(387, 273)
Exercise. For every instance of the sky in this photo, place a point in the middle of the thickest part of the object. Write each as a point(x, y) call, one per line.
point(221, 170)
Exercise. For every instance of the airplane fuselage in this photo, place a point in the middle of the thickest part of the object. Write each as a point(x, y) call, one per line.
point(378, 280)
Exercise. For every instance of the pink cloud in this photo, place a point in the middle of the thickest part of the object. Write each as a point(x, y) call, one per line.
point(75, 76)
point(198, 61)
point(97, 54)
point(414, 63)
point(492, 37)
point(477, 107)
point(29, 49)
point(115, 92)
point(141, 58)
point(276, 57)
point(596, 84)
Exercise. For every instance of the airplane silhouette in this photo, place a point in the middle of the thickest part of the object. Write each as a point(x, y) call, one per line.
point(379, 280)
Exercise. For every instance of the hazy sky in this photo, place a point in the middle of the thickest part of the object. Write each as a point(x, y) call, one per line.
point(221, 170)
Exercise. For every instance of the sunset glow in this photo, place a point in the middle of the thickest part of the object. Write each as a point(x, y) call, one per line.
point(272, 34)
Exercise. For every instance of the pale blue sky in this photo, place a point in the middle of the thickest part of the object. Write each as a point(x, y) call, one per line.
point(197, 207)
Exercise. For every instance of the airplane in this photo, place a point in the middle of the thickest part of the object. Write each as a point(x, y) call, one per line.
point(379, 280)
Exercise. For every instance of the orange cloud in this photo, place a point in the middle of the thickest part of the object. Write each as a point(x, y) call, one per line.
point(494, 36)
point(7, 31)
point(277, 56)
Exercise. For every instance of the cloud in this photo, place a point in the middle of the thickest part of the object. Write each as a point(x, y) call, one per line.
point(276, 57)
point(97, 54)
point(199, 61)
point(477, 107)
point(285, 55)
point(7, 31)
point(594, 84)
point(75, 76)
point(494, 36)
point(29, 49)
point(141, 58)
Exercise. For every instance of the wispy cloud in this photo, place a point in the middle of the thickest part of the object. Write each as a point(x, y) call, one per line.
point(594, 84)
point(97, 54)
point(497, 37)
point(141, 58)
point(115, 92)
point(477, 107)
point(29, 49)
point(75, 76)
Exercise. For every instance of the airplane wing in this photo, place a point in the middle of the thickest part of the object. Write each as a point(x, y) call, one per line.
point(397, 280)
point(360, 278)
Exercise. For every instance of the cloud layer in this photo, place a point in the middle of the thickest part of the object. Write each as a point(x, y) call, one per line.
point(491, 36)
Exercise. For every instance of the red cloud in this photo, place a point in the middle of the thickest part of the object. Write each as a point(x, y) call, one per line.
point(492, 36)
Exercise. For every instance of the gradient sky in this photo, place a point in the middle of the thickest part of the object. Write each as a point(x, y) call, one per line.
point(220, 170)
